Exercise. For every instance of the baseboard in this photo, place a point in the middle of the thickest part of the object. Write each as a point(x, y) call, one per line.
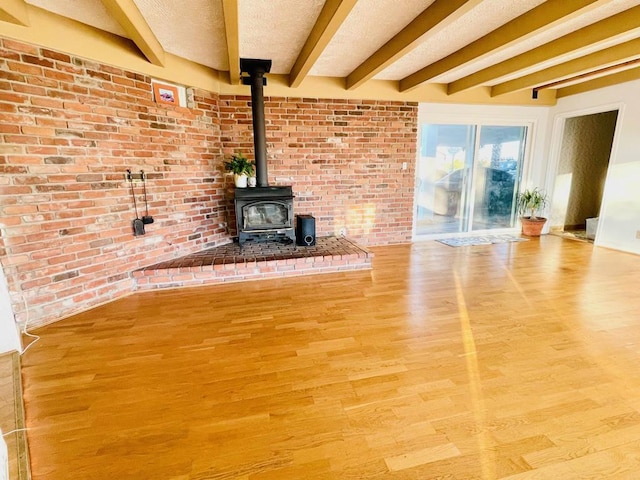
point(580, 226)
point(24, 468)
point(14, 423)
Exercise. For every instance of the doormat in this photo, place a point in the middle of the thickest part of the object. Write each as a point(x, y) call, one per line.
point(482, 240)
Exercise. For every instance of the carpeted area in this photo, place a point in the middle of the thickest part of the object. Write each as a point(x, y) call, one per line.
point(481, 240)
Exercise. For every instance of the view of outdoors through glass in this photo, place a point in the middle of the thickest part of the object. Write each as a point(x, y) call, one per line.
point(468, 177)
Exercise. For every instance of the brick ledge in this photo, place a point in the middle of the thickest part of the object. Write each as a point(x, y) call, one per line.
point(227, 263)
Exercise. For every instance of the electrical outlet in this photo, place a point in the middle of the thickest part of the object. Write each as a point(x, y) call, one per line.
point(343, 232)
point(404, 165)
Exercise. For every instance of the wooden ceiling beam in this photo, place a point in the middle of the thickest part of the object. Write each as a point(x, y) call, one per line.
point(602, 82)
point(230, 11)
point(618, 25)
point(333, 14)
point(433, 19)
point(131, 20)
point(603, 58)
point(14, 11)
point(537, 20)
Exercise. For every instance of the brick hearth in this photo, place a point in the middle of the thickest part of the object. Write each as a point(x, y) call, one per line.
point(227, 263)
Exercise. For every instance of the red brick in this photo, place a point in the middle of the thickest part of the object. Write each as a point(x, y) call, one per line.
point(62, 57)
point(13, 98)
point(30, 89)
point(24, 68)
point(38, 131)
point(57, 75)
point(18, 46)
point(99, 124)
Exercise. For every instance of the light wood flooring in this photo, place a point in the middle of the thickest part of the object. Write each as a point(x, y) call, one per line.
point(518, 361)
point(12, 417)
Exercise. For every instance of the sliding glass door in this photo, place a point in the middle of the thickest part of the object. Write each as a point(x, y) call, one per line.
point(468, 177)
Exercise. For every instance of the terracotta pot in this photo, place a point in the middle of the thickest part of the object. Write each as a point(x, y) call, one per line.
point(532, 228)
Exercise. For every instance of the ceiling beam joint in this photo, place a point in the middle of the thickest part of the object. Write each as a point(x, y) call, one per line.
point(433, 19)
point(131, 20)
point(232, 31)
point(539, 19)
point(623, 23)
point(618, 55)
point(14, 11)
point(601, 82)
point(333, 14)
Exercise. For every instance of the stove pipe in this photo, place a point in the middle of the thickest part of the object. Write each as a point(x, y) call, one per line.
point(256, 69)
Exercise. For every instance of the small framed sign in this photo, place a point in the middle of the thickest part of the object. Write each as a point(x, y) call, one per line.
point(163, 93)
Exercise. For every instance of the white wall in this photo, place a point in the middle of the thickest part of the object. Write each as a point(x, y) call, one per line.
point(9, 337)
point(620, 213)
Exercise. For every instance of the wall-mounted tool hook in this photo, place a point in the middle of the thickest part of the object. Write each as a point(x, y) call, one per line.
point(146, 219)
point(137, 224)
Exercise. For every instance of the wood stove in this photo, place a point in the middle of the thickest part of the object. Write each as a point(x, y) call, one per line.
point(264, 213)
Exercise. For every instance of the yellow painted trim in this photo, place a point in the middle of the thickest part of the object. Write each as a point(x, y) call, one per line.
point(602, 82)
point(610, 56)
point(334, 87)
point(14, 11)
point(537, 20)
point(131, 20)
point(433, 19)
point(617, 25)
point(333, 14)
point(230, 11)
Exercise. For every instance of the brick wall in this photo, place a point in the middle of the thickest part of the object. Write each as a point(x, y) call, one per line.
point(344, 159)
point(69, 129)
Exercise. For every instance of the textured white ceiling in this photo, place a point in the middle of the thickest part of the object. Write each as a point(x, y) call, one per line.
point(369, 26)
point(487, 16)
point(194, 31)
point(278, 29)
point(89, 12)
point(553, 33)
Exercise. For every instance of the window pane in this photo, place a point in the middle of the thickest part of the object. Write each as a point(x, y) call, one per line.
point(498, 162)
point(443, 171)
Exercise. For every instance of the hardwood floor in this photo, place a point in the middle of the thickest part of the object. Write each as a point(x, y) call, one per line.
point(12, 417)
point(517, 361)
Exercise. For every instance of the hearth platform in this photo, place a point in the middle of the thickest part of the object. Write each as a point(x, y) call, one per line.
point(256, 260)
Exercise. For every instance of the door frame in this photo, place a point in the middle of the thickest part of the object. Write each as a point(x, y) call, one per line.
point(556, 147)
point(9, 328)
point(534, 162)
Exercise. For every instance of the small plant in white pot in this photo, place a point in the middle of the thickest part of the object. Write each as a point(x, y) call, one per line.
point(241, 167)
point(530, 205)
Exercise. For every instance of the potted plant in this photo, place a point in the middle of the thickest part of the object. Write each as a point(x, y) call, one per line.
point(241, 167)
point(530, 203)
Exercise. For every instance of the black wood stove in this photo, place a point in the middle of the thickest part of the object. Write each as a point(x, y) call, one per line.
point(264, 213)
